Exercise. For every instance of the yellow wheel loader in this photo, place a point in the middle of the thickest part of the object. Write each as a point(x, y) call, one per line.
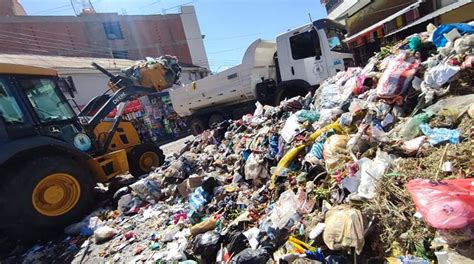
point(51, 157)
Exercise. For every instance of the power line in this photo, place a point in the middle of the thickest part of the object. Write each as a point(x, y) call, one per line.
point(52, 9)
point(224, 51)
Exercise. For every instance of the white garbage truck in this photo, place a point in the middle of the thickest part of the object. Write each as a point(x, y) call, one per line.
point(295, 64)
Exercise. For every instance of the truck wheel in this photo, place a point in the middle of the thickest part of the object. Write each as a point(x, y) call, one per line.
point(40, 197)
point(197, 126)
point(144, 157)
point(215, 118)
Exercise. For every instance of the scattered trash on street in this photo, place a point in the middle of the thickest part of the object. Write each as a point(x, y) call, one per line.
point(376, 165)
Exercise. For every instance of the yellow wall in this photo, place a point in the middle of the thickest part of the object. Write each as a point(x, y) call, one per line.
point(462, 14)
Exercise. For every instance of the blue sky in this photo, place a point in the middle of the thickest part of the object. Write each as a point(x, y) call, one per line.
point(229, 25)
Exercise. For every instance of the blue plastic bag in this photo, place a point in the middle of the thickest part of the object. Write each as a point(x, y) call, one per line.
point(440, 135)
point(438, 38)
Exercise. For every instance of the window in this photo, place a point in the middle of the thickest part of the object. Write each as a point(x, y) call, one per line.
point(47, 101)
point(335, 38)
point(9, 109)
point(332, 4)
point(305, 45)
point(113, 30)
point(443, 3)
point(120, 54)
point(232, 76)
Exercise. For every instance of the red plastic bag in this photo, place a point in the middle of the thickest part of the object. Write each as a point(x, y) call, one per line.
point(447, 204)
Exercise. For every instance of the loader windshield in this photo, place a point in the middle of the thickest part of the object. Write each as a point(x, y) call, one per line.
point(46, 99)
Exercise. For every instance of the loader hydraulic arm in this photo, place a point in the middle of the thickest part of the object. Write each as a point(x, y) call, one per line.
point(125, 90)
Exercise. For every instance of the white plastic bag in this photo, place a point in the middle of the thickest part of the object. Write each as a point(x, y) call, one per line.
point(439, 75)
point(291, 129)
point(372, 173)
point(255, 167)
point(258, 109)
point(285, 209)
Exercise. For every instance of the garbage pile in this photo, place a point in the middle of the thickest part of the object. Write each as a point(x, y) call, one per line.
point(375, 166)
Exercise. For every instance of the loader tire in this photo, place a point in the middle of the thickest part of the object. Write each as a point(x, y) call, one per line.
point(142, 158)
point(197, 126)
point(40, 197)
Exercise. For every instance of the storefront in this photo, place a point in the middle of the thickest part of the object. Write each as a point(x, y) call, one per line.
point(382, 22)
point(154, 118)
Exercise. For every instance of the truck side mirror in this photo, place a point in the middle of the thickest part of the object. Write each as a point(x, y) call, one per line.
point(67, 84)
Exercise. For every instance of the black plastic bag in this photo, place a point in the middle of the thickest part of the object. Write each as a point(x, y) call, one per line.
point(251, 256)
point(207, 245)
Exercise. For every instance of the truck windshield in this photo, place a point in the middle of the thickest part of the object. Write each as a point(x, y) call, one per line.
point(46, 99)
point(335, 39)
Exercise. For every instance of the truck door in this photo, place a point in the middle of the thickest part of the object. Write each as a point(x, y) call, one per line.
point(306, 58)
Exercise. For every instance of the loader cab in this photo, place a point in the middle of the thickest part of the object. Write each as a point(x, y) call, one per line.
point(32, 104)
point(313, 52)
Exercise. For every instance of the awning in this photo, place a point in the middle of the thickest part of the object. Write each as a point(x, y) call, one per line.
point(381, 22)
point(132, 106)
point(433, 15)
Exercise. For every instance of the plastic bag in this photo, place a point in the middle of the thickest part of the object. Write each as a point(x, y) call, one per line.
point(255, 167)
point(344, 227)
point(396, 78)
point(412, 146)
point(147, 189)
point(440, 135)
point(291, 129)
point(438, 35)
point(258, 109)
point(464, 44)
point(411, 128)
point(334, 147)
point(207, 245)
point(461, 103)
point(285, 209)
point(438, 75)
point(251, 256)
point(444, 205)
point(372, 173)
point(307, 115)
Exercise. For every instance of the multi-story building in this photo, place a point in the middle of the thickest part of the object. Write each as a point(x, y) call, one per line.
point(102, 35)
point(372, 23)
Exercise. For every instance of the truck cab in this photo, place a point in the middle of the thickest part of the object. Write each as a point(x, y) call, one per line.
point(299, 61)
point(312, 53)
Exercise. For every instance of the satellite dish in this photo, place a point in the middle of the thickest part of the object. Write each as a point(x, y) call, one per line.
point(82, 6)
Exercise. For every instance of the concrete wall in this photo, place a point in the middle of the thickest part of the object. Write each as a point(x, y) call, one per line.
point(194, 36)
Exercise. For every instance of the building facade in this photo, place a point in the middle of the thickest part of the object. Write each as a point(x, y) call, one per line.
point(102, 35)
point(373, 23)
